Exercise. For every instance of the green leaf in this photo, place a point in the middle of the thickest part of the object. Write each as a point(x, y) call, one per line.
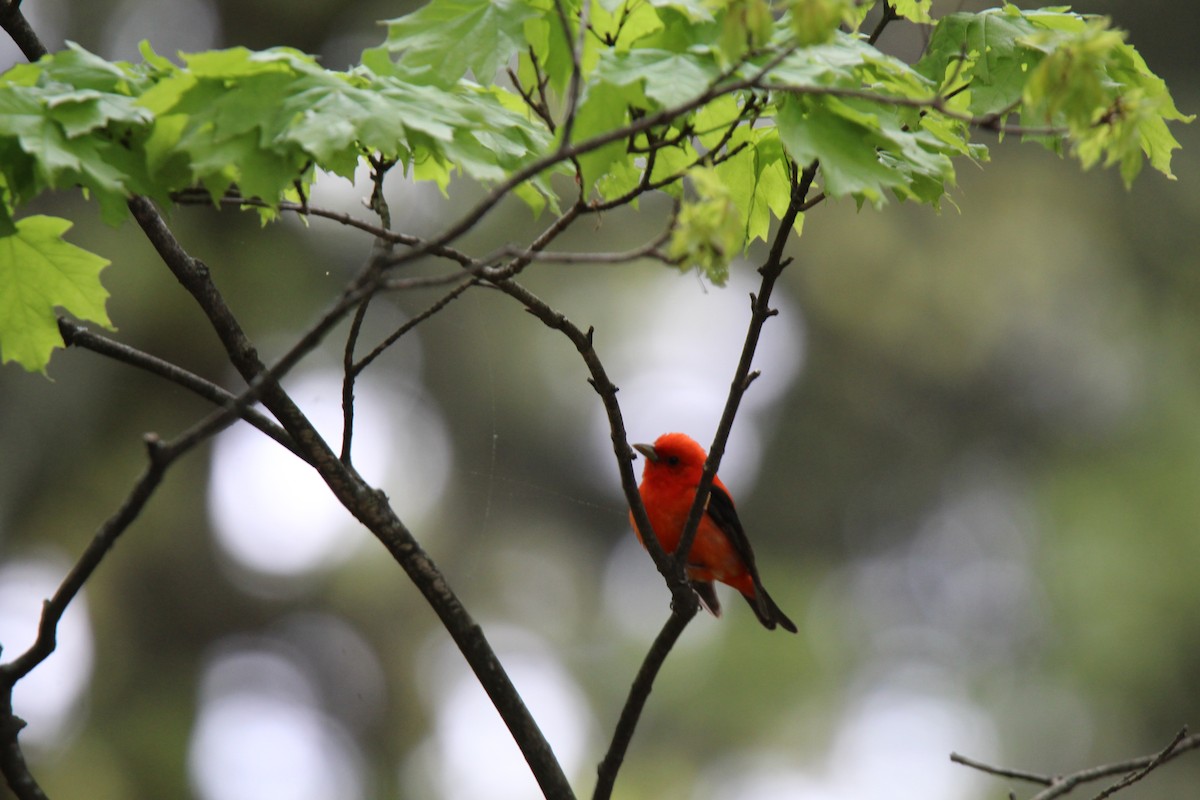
point(625, 24)
point(755, 177)
point(445, 38)
point(1058, 70)
point(845, 148)
point(985, 50)
point(668, 79)
point(709, 232)
point(603, 107)
point(814, 21)
point(39, 272)
point(915, 10)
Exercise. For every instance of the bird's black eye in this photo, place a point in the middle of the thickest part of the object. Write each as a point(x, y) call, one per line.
point(673, 461)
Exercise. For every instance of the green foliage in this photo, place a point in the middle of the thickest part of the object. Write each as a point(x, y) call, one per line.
point(39, 272)
point(815, 21)
point(1071, 73)
point(710, 229)
point(728, 93)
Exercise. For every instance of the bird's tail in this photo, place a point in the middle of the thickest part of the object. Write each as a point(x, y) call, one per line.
point(708, 597)
point(768, 613)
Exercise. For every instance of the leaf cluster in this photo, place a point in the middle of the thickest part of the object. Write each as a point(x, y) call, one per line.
point(626, 96)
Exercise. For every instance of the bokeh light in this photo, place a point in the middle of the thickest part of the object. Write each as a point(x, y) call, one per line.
point(470, 754)
point(260, 732)
point(272, 515)
point(677, 344)
point(47, 697)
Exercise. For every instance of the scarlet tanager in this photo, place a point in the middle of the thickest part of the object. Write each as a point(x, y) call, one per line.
point(720, 551)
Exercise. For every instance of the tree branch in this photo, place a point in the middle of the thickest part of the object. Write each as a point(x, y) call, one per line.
point(366, 504)
point(17, 27)
point(1133, 770)
point(574, 86)
point(75, 335)
point(12, 761)
point(201, 197)
point(639, 692)
point(742, 376)
point(885, 18)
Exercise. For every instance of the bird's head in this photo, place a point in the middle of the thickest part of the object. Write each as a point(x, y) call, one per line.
point(673, 454)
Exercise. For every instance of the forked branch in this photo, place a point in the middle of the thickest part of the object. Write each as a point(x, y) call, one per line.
point(1131, 770)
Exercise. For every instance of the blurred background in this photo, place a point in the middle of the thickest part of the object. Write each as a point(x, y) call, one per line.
point(971, 471)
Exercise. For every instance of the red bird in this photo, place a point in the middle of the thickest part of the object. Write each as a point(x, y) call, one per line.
point(720, 551)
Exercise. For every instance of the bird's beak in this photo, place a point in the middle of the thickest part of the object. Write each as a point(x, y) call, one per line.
point(648, 451)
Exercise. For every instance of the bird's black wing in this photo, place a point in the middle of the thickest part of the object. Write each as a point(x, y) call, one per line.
point(720, 508)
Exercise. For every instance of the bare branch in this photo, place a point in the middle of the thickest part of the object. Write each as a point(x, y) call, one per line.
point(648, 250)
point(639, 692)
point(887, 16)
point(12, 761)
point(540, 106)
point(1154, 764)
point(76, 335)
point(367, 505)
point(1132, 770)
point(17, 27)
point(160, 457)
point(526, 256)
point(393, 337)
point(681, 590)
point(1002, 772)
point(574, 86)
point(760, 313)
point(523, 258)
point(349, 374)
point(200, 197)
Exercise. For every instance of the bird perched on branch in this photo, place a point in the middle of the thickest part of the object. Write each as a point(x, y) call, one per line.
point(720, 551)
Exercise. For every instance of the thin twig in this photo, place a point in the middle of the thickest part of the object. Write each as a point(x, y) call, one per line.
point(541, 242)
point(1002, 772)
point(75, 335)
point(889, 14)
point(649, 250)
point(1154, 764)
point(575, 83)
point(540, 107)
point(200, 197)
point(395, 335)
point(989, 122)
point(12, 761)
point(681, 590)
point(349, 374)
point(715, 155)
point(721, 85)
point(1132, 770)
point(159, 458)
point(761, 311)
point(639, 692)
